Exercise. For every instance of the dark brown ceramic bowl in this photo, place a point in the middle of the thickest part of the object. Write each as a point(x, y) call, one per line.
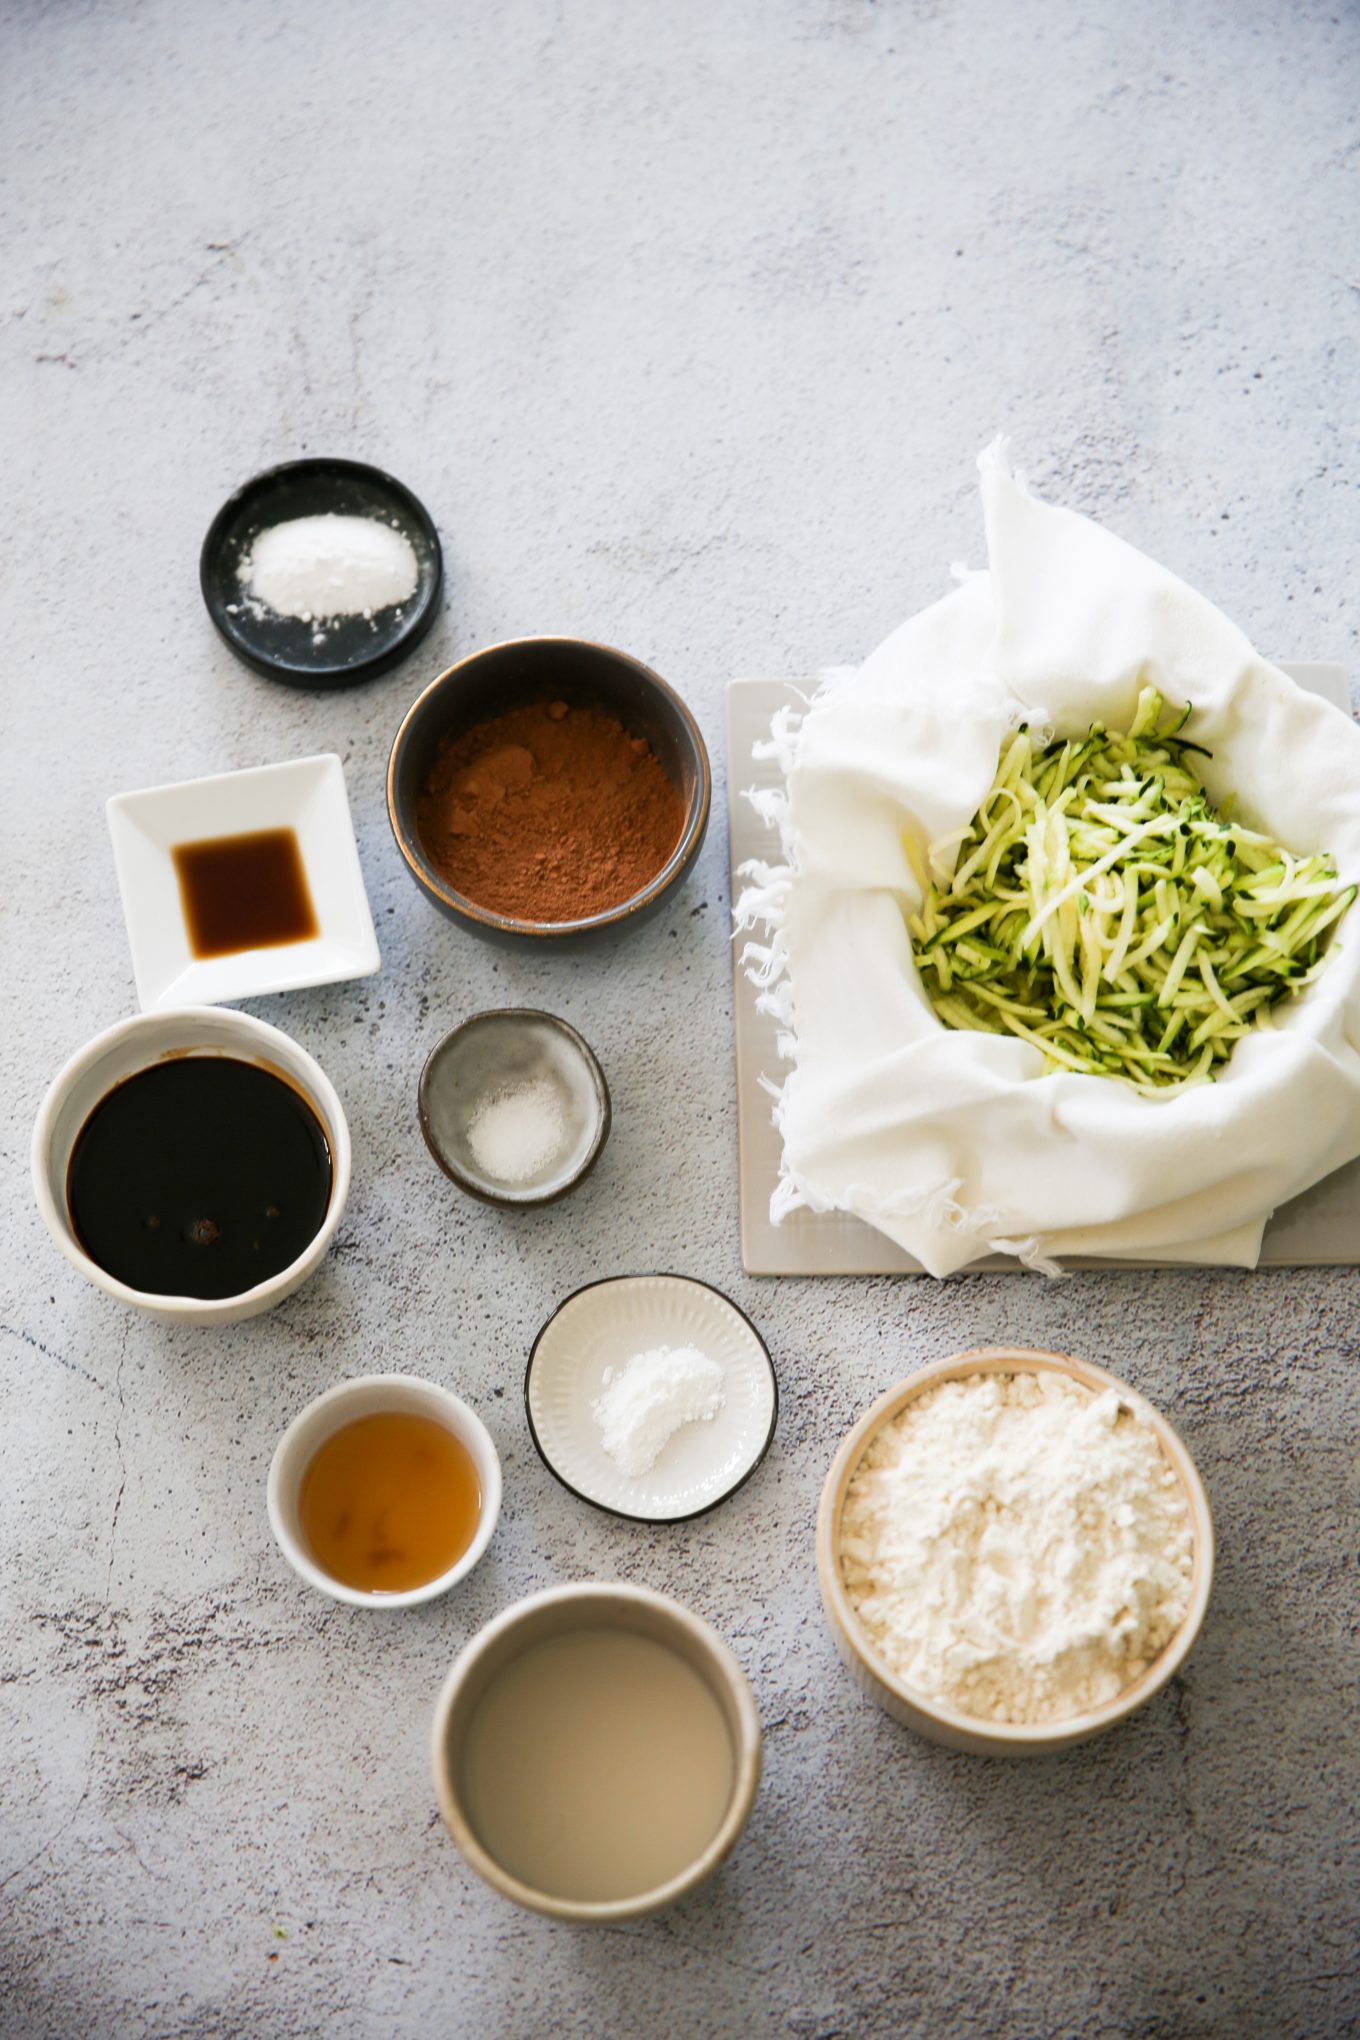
point(523, 670)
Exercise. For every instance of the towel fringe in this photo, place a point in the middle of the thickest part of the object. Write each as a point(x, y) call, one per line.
point(760, 908)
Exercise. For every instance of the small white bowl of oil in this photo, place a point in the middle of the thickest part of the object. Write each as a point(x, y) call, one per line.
point(385, 1491)
point(596, 1752)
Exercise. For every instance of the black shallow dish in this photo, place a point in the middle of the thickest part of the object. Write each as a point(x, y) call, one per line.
point(506, 676)
point(281, 647)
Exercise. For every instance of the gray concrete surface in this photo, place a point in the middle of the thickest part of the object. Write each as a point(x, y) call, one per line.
point(687, 322)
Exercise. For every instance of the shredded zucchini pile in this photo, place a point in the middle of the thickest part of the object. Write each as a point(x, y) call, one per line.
point(1103, 910)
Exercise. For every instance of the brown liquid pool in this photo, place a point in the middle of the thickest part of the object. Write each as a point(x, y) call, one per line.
point(389, 1501)
point(244, 892)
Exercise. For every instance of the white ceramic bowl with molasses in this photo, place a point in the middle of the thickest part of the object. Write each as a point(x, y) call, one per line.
point(193, 1164)
point(548, 790)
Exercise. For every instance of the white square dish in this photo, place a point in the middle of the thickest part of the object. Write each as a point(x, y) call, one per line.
point(306, 795)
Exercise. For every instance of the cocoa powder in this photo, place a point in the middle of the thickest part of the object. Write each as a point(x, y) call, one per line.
point(548, 813)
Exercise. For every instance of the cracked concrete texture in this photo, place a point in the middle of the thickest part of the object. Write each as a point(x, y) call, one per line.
point(686, 324)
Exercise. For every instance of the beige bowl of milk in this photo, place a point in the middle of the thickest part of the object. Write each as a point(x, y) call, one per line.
point(596, 1752)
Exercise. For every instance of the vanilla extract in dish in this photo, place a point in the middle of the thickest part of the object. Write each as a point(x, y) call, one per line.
point(244, 892)
point(201, 1176)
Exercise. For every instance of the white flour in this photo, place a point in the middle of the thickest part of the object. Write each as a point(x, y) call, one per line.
point(1017, 1547)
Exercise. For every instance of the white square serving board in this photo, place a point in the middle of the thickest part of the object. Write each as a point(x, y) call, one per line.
point(1319, 1229)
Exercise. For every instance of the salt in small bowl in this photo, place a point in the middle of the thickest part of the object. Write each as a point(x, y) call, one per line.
point(499, 1052)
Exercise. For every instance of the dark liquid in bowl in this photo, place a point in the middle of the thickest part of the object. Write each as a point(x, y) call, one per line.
point(201, 1176)
point(244, 892)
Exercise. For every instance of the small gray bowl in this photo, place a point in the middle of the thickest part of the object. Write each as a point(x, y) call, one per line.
point(494, 1052)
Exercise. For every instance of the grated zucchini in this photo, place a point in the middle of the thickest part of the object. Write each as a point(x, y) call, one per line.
point(1102, 909)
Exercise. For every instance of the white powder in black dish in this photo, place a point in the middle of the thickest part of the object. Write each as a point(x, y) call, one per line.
point(314, 568)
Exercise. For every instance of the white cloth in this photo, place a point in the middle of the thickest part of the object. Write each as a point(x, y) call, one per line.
point(958, 1144)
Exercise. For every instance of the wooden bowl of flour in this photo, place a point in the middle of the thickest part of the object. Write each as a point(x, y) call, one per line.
point(927, 1713)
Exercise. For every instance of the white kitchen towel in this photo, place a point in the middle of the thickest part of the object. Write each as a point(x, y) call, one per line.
point(960, 1144)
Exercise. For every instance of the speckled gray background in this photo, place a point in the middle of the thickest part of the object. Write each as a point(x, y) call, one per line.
point(687, 322)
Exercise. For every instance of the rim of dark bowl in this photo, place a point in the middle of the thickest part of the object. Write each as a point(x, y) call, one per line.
point(696, 819)
point(627, 1515)
point(604, 1122)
